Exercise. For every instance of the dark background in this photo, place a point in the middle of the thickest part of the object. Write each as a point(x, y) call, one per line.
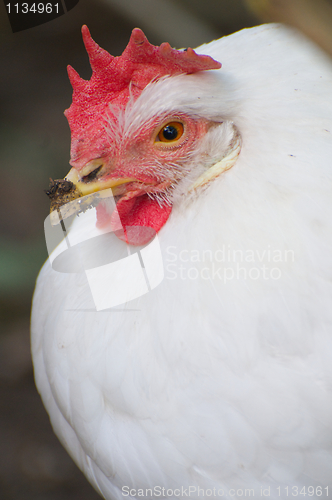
point(34, 145)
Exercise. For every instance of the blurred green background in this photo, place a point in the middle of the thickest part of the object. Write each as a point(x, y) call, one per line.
point(34, 146)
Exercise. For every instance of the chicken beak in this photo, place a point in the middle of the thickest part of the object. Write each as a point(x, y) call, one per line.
point(85, 188)
point(63, 191)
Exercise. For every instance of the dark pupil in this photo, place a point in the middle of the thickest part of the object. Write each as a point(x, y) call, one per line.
point(170, 133)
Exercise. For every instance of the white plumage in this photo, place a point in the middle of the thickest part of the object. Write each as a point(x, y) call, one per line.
point(221, 376)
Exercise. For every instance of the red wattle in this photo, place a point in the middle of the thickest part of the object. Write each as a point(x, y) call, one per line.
point(143, 214)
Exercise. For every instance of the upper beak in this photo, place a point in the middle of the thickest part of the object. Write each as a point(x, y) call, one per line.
point(85, 188)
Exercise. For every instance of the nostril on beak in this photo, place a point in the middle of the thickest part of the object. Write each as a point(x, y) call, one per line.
point(92, 175)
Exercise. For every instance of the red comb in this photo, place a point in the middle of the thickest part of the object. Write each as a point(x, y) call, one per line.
point(139, 64)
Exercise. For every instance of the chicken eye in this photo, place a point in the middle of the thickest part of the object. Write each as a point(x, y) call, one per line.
point(171, 132)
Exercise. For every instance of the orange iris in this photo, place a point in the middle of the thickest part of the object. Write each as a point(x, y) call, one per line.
point(171, 132)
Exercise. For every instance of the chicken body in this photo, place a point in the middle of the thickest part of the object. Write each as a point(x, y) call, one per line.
point(220, 378)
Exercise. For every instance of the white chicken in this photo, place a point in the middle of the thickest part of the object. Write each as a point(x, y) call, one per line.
point(218, 381)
